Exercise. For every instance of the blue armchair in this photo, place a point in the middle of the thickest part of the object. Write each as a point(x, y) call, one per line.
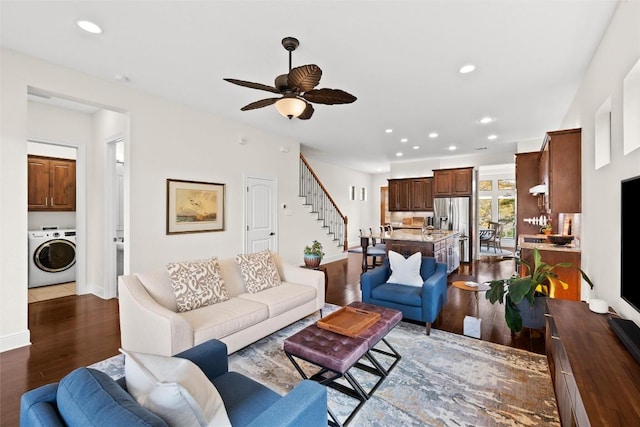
point(90, 397)
point(422, 304)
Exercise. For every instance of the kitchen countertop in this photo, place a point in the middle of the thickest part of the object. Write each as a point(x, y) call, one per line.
point(571, 247)
point(417, 236)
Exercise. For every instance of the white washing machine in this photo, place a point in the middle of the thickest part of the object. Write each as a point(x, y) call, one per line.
point(52, 257)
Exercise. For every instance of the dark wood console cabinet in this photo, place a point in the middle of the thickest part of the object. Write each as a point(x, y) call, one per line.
point(596, 379)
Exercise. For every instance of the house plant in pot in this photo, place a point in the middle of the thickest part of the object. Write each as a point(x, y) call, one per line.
point(313, 254)
point(525, 296)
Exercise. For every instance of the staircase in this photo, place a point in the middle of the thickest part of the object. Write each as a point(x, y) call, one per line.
point(316, 196)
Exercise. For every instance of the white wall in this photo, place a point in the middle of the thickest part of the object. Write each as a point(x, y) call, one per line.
point(166, 140)
point(619, 50)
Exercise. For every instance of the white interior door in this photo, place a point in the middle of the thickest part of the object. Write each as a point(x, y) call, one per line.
point(261, 216)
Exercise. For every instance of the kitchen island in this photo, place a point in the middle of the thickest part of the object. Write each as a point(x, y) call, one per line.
point(552, 254)
point(440, 244)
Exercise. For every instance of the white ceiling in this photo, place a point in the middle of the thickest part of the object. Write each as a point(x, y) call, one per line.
point(400, 58)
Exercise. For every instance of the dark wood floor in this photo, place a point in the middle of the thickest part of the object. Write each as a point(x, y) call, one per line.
point(75, 331)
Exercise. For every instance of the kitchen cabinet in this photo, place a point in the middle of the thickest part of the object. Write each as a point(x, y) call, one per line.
point(527, 205)
point(596, 379)
point(51, 184)
point(444, 250)
point(421, 194)
point(560, 168)
point(453, 182)
point(411, 194)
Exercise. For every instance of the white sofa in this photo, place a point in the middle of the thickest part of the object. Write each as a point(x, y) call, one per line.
point(150, 321)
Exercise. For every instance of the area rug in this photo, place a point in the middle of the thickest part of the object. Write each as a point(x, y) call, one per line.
point(497, 253)
point(442, 380)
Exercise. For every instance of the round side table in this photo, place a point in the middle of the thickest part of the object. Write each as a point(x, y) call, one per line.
point(473, 287)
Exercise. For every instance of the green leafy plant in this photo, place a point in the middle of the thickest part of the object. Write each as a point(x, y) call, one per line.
point(314, 249)
point(541, 280)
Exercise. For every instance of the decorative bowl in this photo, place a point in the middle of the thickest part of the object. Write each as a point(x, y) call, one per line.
point(559, 239)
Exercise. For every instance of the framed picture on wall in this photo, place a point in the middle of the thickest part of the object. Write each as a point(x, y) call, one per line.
point(194, 207)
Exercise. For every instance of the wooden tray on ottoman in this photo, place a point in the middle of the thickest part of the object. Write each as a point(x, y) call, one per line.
point(348, 321)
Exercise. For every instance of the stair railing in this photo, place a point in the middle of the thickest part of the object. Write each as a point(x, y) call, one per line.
point(317, 196)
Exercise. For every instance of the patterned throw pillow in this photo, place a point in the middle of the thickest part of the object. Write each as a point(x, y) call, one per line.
point(197, 283)
point(258, 271)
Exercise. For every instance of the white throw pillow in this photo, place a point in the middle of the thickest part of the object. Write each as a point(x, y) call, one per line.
point(174, 389)
point(405, 271)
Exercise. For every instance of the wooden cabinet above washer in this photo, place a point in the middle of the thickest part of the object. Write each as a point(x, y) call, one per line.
point(51, 184)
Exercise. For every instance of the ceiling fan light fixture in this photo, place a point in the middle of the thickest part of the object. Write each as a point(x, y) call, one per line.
point(291, 107)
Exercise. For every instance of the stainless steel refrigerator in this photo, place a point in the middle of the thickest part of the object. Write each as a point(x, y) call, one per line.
point(455, 213)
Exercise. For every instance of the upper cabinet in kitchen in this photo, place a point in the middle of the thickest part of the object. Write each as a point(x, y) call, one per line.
point(453, 182)
point(411, 194)
point(560, 169)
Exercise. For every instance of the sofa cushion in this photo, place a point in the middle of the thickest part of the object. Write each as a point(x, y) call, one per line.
point(175, 389)
point(282, 298)
point(197, 283)
point(89, 397)
point(225, 318)
point(258, 271)
point(405, 271)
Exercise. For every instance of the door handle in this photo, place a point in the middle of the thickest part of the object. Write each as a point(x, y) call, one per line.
point(272, 233)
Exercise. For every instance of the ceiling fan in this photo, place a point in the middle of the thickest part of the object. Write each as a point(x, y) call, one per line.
point(297, 89)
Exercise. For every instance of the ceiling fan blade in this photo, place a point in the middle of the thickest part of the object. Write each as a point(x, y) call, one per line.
point(259, 104)
point(307, 113)
point(304, 78)
point(329, 96)
point(252, 85)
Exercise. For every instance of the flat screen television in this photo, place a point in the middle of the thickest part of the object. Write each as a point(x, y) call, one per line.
point(630, 236)
point(625, 329)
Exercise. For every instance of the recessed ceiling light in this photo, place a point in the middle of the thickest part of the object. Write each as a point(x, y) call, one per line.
point(415, 147)
point(388, 130)
point(89, 27)
point(452, 148)
point(122, 78)
point(404, 140)
point(467, 68)
point(492, 137)
point(433, 135)
point(398, 154)
point(486, 120)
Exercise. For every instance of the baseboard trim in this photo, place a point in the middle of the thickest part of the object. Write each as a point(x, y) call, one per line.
point(11, 342)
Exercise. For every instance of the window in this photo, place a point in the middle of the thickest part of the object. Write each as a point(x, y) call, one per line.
point(485, 209)
point(496, 200)
point(485, 185)
point(507, 215)
point(506, 184)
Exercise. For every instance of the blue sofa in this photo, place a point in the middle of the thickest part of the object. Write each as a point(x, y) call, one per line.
point(89, 397)
point(422, 304)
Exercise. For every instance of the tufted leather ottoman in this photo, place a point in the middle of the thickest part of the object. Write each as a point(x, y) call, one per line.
point(325, 348)
point(336, 354)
